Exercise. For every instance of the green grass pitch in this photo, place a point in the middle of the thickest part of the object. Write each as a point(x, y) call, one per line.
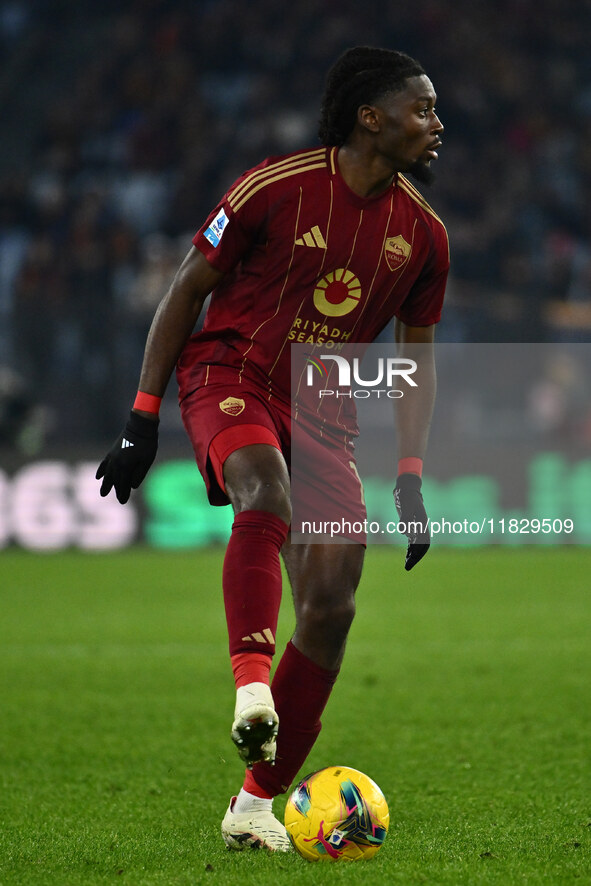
point(464, 694)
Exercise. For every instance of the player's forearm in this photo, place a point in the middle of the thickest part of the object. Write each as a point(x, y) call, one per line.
point(174, 321)
point(171, 327)
point(414, 411)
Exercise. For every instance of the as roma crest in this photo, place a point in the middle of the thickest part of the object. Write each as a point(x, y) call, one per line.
point(232, 405)
point(397, 252)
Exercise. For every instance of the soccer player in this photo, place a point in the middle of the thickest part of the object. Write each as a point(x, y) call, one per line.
point(325, 246)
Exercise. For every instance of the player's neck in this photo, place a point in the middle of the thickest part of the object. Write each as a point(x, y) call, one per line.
point(366, 176)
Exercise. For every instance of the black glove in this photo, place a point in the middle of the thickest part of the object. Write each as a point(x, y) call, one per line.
point(411, 510)
point(129, 459)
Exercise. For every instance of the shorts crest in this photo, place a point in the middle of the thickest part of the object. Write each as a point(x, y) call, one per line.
point(232, 405)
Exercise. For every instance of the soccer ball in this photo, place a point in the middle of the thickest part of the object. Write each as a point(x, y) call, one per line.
point(337, 813)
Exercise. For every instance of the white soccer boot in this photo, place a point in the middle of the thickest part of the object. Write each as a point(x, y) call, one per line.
point(256, 829)
point(255, 725)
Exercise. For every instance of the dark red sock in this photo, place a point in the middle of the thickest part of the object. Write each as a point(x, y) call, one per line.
point(300, 690)
point(252, 581)
point(251, 786)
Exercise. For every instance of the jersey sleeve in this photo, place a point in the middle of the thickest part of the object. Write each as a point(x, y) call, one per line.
point(423, 304)
point(231, 229)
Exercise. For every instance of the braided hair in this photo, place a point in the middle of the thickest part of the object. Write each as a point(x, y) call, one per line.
point(360, 76)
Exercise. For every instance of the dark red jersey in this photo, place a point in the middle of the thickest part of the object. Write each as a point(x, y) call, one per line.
point(306, 260)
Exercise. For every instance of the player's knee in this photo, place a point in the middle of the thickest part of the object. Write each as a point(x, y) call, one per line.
point(342, 616)
point(328, 617)
point(262, 494)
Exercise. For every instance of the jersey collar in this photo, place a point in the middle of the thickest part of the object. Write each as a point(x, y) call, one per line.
point(351, 196)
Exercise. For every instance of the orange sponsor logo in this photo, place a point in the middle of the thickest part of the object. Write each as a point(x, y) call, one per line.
point(338, 293)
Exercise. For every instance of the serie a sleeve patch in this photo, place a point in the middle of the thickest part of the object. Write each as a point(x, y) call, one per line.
point(215, 231)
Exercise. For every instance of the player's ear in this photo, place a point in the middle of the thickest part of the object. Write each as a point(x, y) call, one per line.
point(368, 117)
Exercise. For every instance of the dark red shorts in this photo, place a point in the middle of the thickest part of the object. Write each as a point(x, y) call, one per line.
point(326, 492)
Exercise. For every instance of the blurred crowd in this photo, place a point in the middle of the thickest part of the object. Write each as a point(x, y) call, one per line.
point(158, 106)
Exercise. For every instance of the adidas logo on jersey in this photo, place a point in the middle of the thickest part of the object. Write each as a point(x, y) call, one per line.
point(265, 637)
point(312, 238)
point(125, 444)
